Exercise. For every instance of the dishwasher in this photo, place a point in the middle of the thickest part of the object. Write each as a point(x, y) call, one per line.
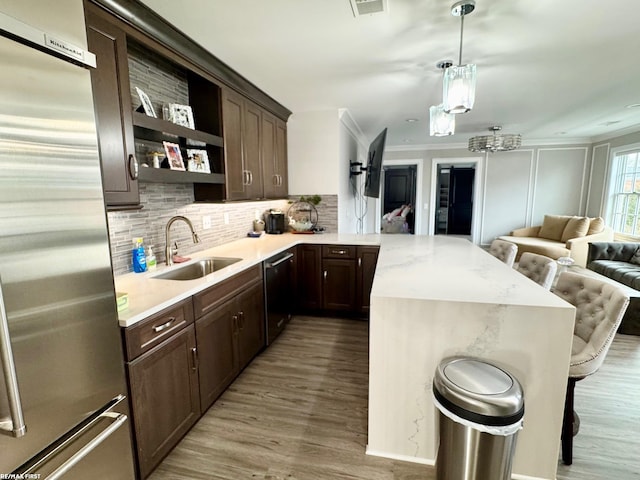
point(278, 275)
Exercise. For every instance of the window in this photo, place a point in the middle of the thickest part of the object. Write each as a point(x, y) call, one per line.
point(624, 192)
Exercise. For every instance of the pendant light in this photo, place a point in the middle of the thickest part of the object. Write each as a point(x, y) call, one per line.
point(459, 85)
point(441, 123)
point(498, 142)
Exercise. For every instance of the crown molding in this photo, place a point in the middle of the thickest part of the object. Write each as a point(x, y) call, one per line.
point(616, 134)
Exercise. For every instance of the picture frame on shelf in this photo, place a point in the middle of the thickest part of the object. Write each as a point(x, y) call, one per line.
point(182, 115)
point(198, 161)
point(146, 103)
point(174, 156)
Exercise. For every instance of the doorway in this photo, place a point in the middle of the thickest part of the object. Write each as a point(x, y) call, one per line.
point(400, 190)
point(455, 197)
point(387, 166)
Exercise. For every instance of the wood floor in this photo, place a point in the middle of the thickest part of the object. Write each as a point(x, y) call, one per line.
point(299, 412)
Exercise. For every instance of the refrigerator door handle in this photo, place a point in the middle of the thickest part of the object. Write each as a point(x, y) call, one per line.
point(14, 427)
point(119, 420)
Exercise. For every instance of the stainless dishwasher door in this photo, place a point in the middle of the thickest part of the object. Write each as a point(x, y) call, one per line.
point(277, 292)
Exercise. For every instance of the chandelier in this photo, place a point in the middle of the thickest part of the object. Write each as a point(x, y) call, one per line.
point(459, 85)
point(498, 142)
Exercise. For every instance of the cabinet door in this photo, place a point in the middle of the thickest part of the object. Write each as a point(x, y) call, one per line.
point(339, 284)
point(367, 259)
point(251, 320)
point(217, 337)
point(112, 101)
point(269, 169)
point(251, 150)
point(233, 125)
point(310, 277)
point(164, 396)
point(281, 159)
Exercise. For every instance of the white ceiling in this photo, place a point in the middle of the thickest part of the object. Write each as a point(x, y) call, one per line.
point(552, 70)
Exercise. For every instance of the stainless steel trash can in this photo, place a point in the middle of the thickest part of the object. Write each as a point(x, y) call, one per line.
point(480, 413)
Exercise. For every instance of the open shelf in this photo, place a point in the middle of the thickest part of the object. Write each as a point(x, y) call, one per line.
point(165, 175)
point(157, 130)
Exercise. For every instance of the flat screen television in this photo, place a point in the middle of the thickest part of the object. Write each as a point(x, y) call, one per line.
point(374, 166)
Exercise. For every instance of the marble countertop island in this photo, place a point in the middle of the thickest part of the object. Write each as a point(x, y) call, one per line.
point(432, 297)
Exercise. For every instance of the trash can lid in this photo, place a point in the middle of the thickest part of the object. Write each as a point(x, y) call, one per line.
point(478, 391)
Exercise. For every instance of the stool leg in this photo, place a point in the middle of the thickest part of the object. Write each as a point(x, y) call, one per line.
point(567, 424)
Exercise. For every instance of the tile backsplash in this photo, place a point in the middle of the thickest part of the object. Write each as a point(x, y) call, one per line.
point(163, 201)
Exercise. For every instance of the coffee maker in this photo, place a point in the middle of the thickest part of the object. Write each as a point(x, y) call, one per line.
point(274, 222)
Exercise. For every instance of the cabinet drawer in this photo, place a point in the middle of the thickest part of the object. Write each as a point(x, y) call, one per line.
point(210, 298)
point(153, 330)
point(339, 251)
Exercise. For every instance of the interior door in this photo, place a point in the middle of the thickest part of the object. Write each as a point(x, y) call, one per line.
point(460, 201)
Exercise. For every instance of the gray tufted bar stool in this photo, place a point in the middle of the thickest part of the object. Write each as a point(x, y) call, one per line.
point(600, 307)
point(504, 251)
point(538, 268)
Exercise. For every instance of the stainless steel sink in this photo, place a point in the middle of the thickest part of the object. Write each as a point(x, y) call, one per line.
point(198, 269)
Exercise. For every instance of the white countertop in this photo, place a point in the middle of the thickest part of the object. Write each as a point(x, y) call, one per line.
point(409, 266)
point(149, 295)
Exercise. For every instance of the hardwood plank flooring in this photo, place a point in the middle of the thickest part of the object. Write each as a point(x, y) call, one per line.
point(299, 412)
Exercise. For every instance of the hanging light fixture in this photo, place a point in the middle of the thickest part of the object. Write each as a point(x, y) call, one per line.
point(498, 142)
point(459, 86)
point(441, 122)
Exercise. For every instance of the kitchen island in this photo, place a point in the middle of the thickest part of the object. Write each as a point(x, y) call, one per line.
point(432, 297)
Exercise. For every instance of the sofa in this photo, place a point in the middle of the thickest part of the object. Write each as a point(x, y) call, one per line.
point(620, 261)
point(561, 236)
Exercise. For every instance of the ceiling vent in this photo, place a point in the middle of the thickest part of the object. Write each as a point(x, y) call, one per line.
point(368, 7)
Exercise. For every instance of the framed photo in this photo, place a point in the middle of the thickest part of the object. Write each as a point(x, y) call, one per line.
point(198, 161)
point(174, 156)
point(182, 115)
point(146, 103)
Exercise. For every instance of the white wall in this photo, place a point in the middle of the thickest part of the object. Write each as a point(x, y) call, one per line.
point(313, 146)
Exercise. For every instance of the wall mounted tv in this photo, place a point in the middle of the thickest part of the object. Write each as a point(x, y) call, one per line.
point(374, 166)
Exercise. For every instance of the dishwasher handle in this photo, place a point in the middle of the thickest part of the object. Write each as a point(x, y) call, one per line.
point(279, 261)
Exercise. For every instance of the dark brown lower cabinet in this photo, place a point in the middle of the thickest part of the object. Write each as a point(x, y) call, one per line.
point(367, 260)
point(164, 397)
point(309, 277)
point(216, 333)
point(339, 284)
point(251, 339)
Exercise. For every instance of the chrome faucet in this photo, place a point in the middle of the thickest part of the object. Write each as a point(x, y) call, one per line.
point(168, 251)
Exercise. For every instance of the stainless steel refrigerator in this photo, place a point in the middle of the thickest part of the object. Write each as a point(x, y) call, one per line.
point(63, 409)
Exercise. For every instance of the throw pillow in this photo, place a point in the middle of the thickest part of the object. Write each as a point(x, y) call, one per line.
point(576, 227)
point(636, 257)
point(553, 226)
point(596, 225)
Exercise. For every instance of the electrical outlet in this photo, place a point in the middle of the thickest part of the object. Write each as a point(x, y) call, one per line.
point(225, 216)
point(206, 222)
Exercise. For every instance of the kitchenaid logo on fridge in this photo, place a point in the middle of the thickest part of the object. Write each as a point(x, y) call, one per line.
point(66, 48)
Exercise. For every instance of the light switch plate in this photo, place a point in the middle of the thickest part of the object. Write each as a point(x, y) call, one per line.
point(206, 222)
point(225, 216)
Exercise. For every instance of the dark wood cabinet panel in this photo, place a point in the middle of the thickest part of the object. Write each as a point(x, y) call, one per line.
point(269, 167)
point(282, 187)
point(251, 339)
point(164, 396)
point(367, 260)
point(112, 101)
point(217, 335)
point(251, 150)
point(339, 284)
point(232, 125)
point(310, 277)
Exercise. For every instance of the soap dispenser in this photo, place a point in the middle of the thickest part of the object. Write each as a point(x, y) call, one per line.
point(151, 258)
point(138, 256)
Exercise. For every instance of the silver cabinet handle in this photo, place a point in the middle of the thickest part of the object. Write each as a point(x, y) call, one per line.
point(134, 168)
point(274, 180)
point(359, 262)
point(14, 427)
point(241, 320)
point(245, 178)
point(234, 319)
point(250, 177)
point(324, 275)
point(194, 355)
point(164, 326)
point(280, 322)
point(338, 252)
point(119, 419)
